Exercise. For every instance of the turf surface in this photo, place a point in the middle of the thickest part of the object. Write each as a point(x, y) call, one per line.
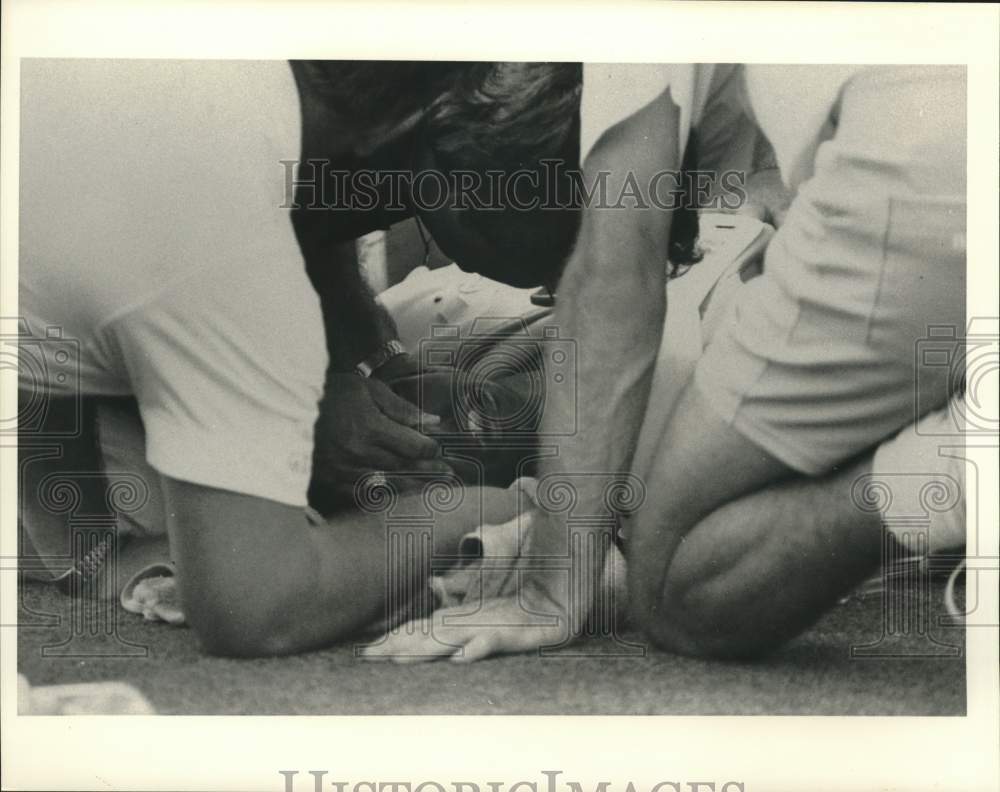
point(815, 674)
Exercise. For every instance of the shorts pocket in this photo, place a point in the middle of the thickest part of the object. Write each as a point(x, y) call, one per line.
point(922, 284)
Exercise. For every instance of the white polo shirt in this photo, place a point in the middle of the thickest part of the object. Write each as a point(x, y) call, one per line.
point(152, 234)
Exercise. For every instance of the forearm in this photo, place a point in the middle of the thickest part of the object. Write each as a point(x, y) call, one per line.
point(335, 580)
point(318, 585)
point(259, 579)
point(354, 323)
point(611, 305)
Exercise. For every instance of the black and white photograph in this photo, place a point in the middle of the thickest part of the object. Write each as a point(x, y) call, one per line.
point(439, 386)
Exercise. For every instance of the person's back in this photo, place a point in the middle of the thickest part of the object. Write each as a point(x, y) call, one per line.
point(154, 244)
point(152, 236)
point(157, 241)
point(147, 183)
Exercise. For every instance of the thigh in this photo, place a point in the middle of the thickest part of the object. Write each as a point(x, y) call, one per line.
point(819, 360)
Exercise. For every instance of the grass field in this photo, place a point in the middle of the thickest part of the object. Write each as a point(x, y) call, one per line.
point(814, 674)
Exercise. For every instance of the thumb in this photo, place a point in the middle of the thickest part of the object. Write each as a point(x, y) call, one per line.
point(398, 409)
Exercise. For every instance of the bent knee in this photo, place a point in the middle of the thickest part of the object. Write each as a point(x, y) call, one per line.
point(690, 623)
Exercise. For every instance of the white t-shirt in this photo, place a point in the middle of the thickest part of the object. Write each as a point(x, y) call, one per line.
point(790, 104)
point(152, 236)
point(614, 91)
point(709, 97)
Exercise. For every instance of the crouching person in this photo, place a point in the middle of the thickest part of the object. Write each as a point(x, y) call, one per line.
point(189, 356)
point(755, 519)
point(752, 527)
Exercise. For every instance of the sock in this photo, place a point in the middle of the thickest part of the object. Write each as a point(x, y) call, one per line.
point(925, 489)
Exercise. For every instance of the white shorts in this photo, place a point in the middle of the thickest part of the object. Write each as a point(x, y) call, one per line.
point(820, 357)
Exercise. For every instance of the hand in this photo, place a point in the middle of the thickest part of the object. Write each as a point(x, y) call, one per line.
point(422, 385)
point(364, 427)
point(527, 620)
point(533, 608)
point(451, 394)
point(401, 372)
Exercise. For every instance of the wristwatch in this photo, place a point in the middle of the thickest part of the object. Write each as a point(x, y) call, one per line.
point(381, 356)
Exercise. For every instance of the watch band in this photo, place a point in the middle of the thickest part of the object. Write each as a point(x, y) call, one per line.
point(382, 355)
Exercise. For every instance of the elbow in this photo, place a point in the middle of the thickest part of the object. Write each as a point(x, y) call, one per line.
point(240, 621)
point(248, 608)
point(237, 632)
point(231, 620)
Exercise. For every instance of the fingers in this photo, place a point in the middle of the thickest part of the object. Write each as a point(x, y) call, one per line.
point(413, 642)
point(397, 432)
point(384, 446)
point(433, 638)
point(400, 410)
point(422, 640)
point(170, 614)
point(503, 634)
point(489, 642)
point(406, 443)
point(387, 452)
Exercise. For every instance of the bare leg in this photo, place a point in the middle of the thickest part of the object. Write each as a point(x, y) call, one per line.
point(733, 552)
point(760, 569)
point(392, 556)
